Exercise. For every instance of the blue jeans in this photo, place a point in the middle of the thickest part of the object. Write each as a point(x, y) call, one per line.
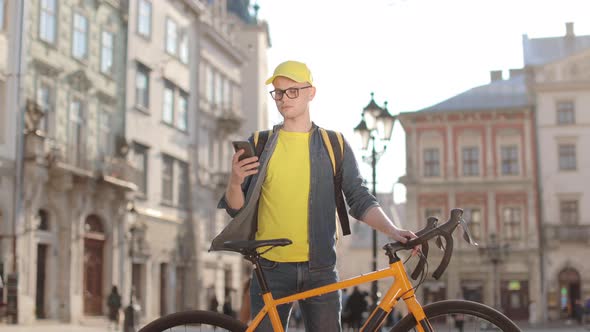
point(320, 313)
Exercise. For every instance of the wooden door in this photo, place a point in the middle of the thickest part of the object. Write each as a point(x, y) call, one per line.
point(93, 260)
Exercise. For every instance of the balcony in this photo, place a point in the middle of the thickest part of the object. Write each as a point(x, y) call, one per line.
point(119, 171)
point(228, 121)
point(573, 234)
point(219, 180)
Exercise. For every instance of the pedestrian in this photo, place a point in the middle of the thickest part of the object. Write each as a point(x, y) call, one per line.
point(114, 305)
point(355, 306)
point(290, 191)
point(227, 308)
point(213, 304)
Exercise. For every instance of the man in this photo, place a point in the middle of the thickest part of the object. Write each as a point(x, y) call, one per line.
point(295, 200)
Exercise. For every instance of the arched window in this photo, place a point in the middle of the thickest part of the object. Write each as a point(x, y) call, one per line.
point(93, 224)
point(43, 219)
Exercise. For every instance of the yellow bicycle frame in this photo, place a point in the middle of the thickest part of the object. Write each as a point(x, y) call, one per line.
point(400, 288)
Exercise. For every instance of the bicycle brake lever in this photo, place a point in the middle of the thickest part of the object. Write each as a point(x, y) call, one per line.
point(439, 243)
point(466, 233)
point(420, 266)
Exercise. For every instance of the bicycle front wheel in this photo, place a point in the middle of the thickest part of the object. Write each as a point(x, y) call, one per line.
point(195, 321)
point(459, 315)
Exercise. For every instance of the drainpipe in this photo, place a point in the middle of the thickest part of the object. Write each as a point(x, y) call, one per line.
point(540, 216)
point(18, 179)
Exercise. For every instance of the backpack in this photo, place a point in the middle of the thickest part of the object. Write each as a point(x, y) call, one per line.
point(331, 139)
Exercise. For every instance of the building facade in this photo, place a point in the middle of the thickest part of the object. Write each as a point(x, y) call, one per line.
point(70, 227)
point(232, 70)
point(559, 79)
point(9, 65)
point(161, 109)
point(129, 109)
point(476, 151)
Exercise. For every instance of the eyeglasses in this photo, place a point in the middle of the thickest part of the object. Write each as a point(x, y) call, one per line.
point(292, 93)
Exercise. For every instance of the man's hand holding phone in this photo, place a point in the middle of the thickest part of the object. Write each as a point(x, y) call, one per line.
point(244, 162)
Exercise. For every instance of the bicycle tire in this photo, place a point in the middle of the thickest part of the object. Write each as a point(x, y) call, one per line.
point(194, 317)
point(453, 307)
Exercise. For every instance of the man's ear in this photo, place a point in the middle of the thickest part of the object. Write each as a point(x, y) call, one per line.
point(312, 94)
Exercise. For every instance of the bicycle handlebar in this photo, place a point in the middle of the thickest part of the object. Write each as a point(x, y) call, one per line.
point(429, 232)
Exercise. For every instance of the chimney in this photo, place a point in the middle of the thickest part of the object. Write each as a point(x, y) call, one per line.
point(569, 29)
point(495, 75)
point(516, 72)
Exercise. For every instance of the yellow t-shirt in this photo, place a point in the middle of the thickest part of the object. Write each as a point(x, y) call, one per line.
point(284, 198)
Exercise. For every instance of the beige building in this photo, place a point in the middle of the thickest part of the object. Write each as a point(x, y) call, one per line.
point(232, 104)
point(161, 113)
point(69, 223)
point(476, 151)
point(9, 64)
point(130, 108)
point(560, 73)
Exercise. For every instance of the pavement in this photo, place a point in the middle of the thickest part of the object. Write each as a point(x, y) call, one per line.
point(100, 325)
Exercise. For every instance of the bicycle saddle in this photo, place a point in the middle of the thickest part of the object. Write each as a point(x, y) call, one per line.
point(250, 246)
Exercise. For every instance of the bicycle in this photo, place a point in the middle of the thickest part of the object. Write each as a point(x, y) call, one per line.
point(472, 316)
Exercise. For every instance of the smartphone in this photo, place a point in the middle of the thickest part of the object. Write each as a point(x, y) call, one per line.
point(246, 146)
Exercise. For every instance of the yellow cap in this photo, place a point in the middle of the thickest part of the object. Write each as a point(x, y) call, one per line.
point(297, 71)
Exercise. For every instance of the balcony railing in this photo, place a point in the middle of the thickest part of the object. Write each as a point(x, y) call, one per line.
point(120, 169)
point(567, 233)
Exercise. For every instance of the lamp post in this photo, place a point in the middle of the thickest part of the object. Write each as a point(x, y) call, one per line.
point(495, 254)
point(129, 320)
point(376, 122)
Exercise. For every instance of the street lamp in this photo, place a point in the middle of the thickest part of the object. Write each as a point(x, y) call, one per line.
point(495, 253)
point(129, 319)
point(376, 122)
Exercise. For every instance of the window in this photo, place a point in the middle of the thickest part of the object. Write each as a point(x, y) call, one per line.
point(167, 179)
point(76, 141)
point(210, 84)
point(512, 221)
point(80, 37)
point(565, 112)
point(568, 212)
point(142, 86)
point(219, 90)
point(473, 217)
point(106, 52)
point(470, 161)
point(140, 162)
point(45, 99)
point(171, 37)
point(43, 220)
point(182, 119)
point(431, 162)
point(168, 110)
point(184, 50)
point(509, 156)
point(567, 157)
point(432, 212)
point(47, 21)
point(105, 143)
point(183, 185)
point(144, 18)
point(2, 6)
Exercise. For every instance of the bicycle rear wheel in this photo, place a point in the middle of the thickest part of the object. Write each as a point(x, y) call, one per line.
point(195, 321)
point(459, 315)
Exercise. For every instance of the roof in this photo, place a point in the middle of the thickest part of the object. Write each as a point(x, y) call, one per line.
point(539, 51)
point(501, 94)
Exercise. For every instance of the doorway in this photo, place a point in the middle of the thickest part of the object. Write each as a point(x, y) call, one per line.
point(42, 250)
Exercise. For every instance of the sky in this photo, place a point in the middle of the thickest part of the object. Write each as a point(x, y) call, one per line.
point(412, 53)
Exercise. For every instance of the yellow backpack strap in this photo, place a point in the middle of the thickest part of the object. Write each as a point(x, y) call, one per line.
point(256, 135)
point(329, 147)
point(332, 138)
